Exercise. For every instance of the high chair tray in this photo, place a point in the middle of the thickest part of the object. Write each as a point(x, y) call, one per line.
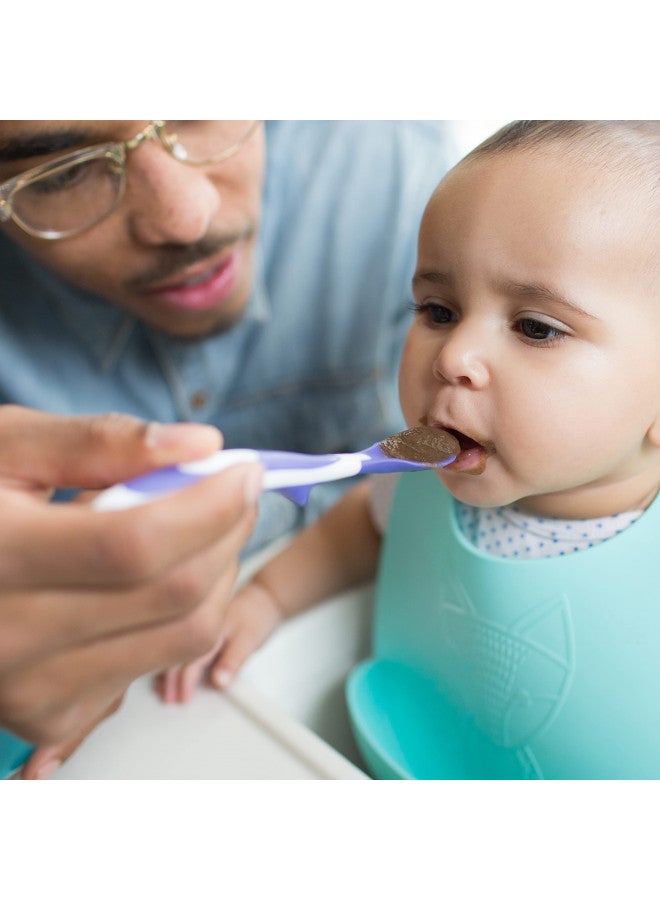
point(237, 734)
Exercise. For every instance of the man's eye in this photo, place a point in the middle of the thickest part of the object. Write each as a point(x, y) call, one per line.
point(535, 330)
point(436, 313)
point(64, 180)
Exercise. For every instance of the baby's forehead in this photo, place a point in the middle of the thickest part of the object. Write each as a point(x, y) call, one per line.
point(626, 179)
point(628, 152)
point(541, 208)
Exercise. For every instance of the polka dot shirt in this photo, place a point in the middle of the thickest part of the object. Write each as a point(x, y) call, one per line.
point(509, 532)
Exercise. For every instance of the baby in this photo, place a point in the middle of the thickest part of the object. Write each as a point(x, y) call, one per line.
point(535, 340)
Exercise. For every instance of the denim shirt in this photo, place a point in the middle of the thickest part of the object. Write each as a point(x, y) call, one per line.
point(312, 364)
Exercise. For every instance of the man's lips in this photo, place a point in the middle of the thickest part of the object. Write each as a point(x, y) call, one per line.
point(200, 287)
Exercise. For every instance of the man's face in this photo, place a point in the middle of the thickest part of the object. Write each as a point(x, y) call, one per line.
point(178, 252)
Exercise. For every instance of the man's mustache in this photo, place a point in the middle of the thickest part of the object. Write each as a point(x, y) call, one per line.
point(175, 257)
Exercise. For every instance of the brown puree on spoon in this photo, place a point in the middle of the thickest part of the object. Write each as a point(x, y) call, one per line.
point(472, 456)
point(421, 444)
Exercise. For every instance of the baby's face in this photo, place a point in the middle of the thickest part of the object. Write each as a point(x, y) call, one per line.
point(537, 334)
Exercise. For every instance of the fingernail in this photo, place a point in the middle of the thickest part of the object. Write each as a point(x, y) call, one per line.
point(221, 679)
point(179, 434)
point(47, 769)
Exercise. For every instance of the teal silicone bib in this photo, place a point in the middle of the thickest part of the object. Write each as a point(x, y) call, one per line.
point(494, 668)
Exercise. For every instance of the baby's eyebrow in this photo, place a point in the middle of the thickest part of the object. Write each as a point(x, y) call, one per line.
point(542, 293)
point(433, 277)
point(524, 290)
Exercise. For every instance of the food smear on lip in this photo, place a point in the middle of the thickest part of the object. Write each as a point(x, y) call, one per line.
point(421, 444)
point(204, 291)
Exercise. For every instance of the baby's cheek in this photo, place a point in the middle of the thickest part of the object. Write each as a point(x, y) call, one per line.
point(417, 390)
point(411, 400)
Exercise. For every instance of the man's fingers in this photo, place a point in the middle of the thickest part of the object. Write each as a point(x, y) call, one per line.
point(93, 599)
point(39, 449)
point(59, 698)
point(60, 680)
point(49, 702)
point(66, 617)
point(56, 546)
point(46, 760)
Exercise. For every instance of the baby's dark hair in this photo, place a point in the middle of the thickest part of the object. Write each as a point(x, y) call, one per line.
point(631, 148)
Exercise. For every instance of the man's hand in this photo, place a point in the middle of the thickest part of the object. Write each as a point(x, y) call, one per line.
point(91, 600)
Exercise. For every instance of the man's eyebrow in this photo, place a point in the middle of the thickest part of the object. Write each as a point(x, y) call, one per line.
point(542, 293)
point(42, 143)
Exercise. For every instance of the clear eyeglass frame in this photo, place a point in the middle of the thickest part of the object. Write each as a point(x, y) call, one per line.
point(116, 155)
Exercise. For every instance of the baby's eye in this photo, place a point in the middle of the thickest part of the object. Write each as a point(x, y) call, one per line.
point(436, 313)
point(537, 331)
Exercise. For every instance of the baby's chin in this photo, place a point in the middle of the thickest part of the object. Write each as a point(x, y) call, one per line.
point(478, 490)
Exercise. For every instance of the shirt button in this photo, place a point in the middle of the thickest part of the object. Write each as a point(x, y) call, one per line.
point(198, 400)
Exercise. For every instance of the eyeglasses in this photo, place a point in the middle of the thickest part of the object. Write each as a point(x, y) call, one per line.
point(77, 191)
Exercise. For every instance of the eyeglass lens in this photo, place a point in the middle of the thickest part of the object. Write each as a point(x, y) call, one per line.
point(205, 141)
point(77, 196)
point(70, 198)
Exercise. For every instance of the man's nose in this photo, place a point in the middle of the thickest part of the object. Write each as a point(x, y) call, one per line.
point(167, 202)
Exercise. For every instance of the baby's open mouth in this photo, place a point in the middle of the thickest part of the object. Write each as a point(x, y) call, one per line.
point(473, 456)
